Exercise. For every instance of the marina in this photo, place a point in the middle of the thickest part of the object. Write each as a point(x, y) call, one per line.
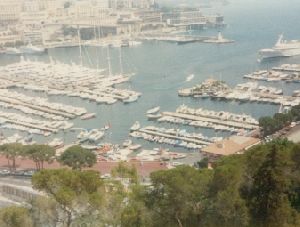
point(81, 74)
point(65, 79)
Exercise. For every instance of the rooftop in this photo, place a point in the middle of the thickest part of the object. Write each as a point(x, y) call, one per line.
point(231, 145)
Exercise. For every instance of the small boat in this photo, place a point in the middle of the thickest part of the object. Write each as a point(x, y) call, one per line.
point(56, 143)
point(13, 51)
point(136, 126)
point(190, 77)
point(83, 134)
point(30, 49)
point(90, 147)
point(127, 143)
point(95, 135)
point(134, 147)
point(153, 110)
point(154, 116)
point(130, 99)
point(88, 116)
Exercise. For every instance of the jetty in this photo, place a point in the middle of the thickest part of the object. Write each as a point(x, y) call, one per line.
point(244, 92)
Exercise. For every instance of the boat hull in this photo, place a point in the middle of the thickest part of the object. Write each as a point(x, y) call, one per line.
point(273, 53)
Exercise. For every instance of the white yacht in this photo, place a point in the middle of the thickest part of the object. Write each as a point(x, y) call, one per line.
point(132, 98)
point(135, 126)
point(95, 135)
point(56, 143)
point(30, 49)
point(282, 48)
point(88, 116)
point(13, 51)
point(153, 110)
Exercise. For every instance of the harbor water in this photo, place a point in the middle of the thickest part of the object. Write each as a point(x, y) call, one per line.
point(161, 68)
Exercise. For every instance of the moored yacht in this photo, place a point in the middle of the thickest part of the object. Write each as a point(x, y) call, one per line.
point(153, 110)
point(30, 49)
point(282, 48)
point(13, 51)
point(135, 126)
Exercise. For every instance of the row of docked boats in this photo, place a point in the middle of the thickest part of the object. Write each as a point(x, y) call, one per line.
point(175, 137)
point(273, 75)
point(39, 105)
point(59, 79)
point(219, 121)
point(28, 49)
point(92, 135)
point(34, 126)
point(244, 92)
point(16, 138)
point(153, 113)
point(71, 80)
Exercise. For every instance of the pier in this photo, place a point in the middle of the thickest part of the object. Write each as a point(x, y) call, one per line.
point(229, 123)
point(246, 92)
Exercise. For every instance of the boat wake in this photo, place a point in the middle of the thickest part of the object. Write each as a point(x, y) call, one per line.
point(190, 77)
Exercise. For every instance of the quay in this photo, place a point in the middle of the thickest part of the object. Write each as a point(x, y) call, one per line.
point(288, 68)
point(246, 92)
point(35, 107)
point(28, 125)
point(228, 123)
point(179, 39)
point(170, 136)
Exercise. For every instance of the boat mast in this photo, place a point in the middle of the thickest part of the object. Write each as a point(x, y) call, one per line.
point(79, 42)
point(120, 58)
point(99, 37)
point(97, 52)
point(108, 61)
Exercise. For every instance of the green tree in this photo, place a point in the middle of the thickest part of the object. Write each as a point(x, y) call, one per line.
point(44, 211)
point(78, 193)
point(77, 158)
point(40, 154)
point(178, 197)
point(225, 205)
point(295, 112)
point(294, 195)
point(123, 170)
point(15, 217)
point(268, 125)
point(202, 164)
point(11, 152)
point(269, 203)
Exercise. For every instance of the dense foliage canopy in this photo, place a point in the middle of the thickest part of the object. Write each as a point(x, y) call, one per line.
point(260, 188)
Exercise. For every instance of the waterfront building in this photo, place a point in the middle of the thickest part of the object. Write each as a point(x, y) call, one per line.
point(8, 35)
point(33, 25)
point(191, 19)
point(129, 4)
point(10, 11)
